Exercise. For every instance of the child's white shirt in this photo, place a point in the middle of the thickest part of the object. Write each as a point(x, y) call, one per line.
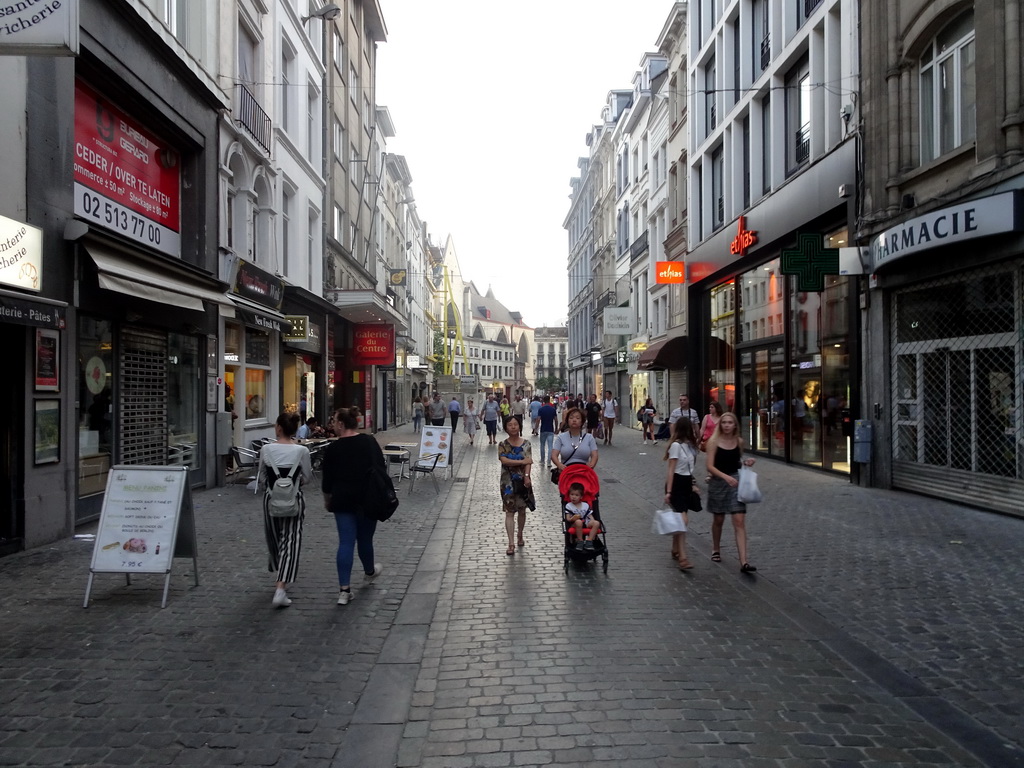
point(583, 510)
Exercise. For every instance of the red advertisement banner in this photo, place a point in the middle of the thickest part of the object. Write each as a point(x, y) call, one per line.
point(126, 179)
point(373, 344)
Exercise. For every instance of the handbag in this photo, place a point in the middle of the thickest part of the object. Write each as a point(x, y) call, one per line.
point(556, 472)
point(667, 521)
point(747, 491)
point(383, 501)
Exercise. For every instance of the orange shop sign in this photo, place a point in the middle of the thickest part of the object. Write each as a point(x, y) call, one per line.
point(744, 239)
point(669, 272)
point(373, 344)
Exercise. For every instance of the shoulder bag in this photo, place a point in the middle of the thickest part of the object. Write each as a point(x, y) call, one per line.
point(555, 471)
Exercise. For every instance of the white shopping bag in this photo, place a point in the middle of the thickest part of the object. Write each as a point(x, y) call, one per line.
point(667, 521)
point(748, 492)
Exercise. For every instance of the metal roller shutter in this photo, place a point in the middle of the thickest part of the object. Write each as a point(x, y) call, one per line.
point(143, 402)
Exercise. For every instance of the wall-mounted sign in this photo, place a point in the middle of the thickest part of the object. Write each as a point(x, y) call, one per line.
point(619, 321)
point(14, 309)
point(398, 277)
point(126, 179)
point(810, 261)
point(744, 238)
point(373, 344)
point(50, 28)
point(300, 328)
point(669, 272)
point(257, 285)
point(21, 254)
point(966, 221)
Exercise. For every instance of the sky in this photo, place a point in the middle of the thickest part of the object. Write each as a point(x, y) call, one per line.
point(491, 103)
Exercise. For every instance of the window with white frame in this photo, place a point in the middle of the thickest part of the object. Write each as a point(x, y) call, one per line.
point(947, 89)
point(287, 202)
point(312, 120)
point(339, 139)
point(287, 81)
point(717, 189)
point(710, 97)
point(339, 52)
point(353, 84)
point(798, 116)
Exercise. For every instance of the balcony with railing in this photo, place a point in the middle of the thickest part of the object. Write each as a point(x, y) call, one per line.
point(802, 147)
point(250, 115)
point(639, 246)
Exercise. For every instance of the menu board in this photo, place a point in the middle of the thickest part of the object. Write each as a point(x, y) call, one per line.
point(146, 521)
point(434, 440)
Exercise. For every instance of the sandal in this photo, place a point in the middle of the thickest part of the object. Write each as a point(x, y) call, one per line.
point(675, 555)
point(747, 568)
point(716, 557)
point(685, 565)
point(511, 550)
point(522, 542)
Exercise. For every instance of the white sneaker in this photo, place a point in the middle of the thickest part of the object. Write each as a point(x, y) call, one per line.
point(281, 599)
point(378, 569)
point(344, 596)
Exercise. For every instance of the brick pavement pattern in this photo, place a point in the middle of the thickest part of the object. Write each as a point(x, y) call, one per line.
point(881, 629)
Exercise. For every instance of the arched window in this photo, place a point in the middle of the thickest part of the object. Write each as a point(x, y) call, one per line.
point(947, 89)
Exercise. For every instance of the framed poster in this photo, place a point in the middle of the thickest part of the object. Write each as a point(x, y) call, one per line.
point(47, 360)
point(47, 431)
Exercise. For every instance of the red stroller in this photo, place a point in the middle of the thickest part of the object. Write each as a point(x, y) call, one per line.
point(585, 476)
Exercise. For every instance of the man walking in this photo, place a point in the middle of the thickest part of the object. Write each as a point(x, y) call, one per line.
point(454, 409)
point(548, 416)
point(593, 411)
point(519, 411)
point(684, 410)
point(610, 413)
point(535, 413)
point(490, 412)
point(436, 410)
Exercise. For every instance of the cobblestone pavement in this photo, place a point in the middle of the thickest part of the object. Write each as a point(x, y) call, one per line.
point(881, 629)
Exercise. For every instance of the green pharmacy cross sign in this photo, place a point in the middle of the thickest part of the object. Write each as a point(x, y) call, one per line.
point(810, 261)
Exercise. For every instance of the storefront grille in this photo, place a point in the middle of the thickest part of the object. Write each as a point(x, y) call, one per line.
point(143, 399)
point(957, 376)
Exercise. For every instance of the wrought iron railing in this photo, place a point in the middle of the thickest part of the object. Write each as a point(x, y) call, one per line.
point(766, 52)
point(250, 115)
point(802, 150)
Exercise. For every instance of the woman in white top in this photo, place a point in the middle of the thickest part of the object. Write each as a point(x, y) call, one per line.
point(573, 446)
point(470, 418)
point(284, 534)
point(680, 486)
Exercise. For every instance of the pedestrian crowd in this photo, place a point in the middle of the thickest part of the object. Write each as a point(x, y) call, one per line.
point(564, 439)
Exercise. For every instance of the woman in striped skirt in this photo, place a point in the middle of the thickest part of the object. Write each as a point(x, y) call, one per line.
point(284, 534)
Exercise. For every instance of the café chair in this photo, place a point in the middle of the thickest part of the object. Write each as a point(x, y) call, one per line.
point(425, 466)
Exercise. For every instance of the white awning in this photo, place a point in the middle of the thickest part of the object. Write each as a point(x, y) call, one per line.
point(133, 278)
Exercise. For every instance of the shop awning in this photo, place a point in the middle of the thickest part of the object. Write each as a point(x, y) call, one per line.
point(259, 316)
point(664, 355)
point(135, 278)
point(366, 306)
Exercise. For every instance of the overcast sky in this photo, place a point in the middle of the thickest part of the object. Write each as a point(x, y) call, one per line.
point(492, 102)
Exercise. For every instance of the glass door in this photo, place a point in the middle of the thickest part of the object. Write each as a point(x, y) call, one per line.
point(763, 399)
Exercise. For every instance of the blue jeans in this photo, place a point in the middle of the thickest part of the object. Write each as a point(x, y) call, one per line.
point(354, 531)
point(546, 439)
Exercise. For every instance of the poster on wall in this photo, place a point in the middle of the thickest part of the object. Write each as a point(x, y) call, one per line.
point(47, 360)
point(47, 431)
point(126, 179)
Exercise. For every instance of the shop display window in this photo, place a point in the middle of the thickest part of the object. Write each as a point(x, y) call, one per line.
point(255, 394)
point(183, 401)
point(95, 394)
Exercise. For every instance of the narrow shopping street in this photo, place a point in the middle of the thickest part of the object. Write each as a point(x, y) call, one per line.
point(880, 629)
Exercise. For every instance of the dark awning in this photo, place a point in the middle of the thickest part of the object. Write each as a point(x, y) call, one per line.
point(665, 354)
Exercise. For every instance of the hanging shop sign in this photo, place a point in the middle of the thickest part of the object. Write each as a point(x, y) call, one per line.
point(619, 321)
point(21, 254)
point(398, 277)
point(966, 221)
point(49, 28)
point(373, 344)
point(299, 331)
point(126, 179)
point(669, 272)
point(744, 238)
point(257, 285)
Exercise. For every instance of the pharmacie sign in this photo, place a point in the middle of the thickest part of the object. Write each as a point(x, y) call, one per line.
point(958, 223)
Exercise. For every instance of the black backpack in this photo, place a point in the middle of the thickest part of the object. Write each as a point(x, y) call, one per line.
point(381, 499)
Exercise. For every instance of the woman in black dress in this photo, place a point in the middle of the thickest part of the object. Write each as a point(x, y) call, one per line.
point(725, 454)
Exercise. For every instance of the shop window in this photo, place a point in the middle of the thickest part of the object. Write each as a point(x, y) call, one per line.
point(257, 353)
point(183, 401)
point(798, 117)
point(95, 393)
point(948, 90)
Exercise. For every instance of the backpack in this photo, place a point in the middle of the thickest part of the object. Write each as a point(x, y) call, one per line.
point(284, 492)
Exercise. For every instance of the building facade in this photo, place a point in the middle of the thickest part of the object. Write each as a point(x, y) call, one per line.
point(773, 105)
point(551, 360)
point(943, 222)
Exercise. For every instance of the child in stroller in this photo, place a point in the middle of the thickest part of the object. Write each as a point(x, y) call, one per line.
point(579, 489)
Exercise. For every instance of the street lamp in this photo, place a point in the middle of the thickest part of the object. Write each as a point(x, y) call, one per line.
point(327, 12)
